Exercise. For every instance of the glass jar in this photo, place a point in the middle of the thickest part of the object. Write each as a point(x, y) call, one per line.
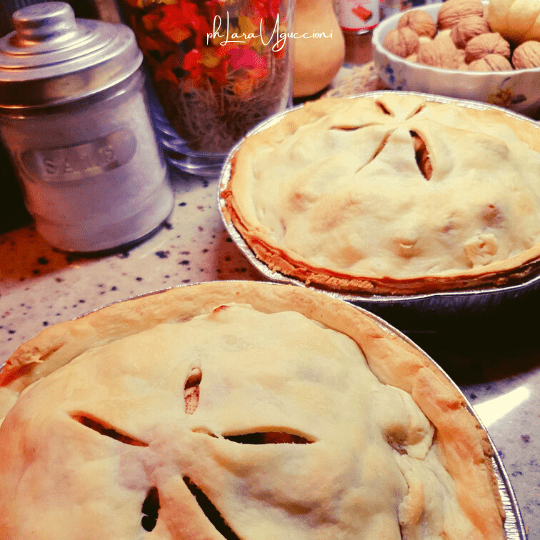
point(219, 68)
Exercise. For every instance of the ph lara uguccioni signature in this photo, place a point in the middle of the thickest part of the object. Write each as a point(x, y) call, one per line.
point(228, 36)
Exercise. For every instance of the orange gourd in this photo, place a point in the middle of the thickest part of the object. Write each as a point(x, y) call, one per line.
point(516, 20)
point(319, 46)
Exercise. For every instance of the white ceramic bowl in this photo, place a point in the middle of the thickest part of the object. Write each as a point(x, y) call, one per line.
point(517, 90)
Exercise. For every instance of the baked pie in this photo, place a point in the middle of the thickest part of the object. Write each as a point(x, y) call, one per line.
point(237, 410)
point(391, 193)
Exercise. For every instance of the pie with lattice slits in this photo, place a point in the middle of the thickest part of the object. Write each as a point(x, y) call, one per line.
point(237, 411)
point(391, 193)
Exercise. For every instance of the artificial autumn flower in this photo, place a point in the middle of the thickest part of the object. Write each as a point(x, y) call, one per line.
point(266, 8)
point(248, 26)
point(166, 69)
point(214, 7)
point(182, 20)
point(210, 59)
point(193, 64)
point(243, 57)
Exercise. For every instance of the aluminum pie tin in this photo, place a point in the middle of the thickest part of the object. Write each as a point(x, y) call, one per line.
point(424, 312)
point(514, 526)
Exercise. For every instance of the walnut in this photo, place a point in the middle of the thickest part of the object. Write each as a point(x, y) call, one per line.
point(527, 55)
point(440, 52)
point(480, 46)
point(443, 34)
point(468, 28)
point(419, 21)
point(491, 62)
point(452, 11)
point(402, 41)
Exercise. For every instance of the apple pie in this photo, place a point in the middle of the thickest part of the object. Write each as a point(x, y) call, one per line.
point(238, 410)
point(391, 193)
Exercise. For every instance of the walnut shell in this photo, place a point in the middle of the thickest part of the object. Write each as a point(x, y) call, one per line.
point(441, 34)
point(491, 62)
point(468, 28)
point(402, 41)
point(527, 55)
point(419, 21)
point(424, 39)
point(452, 11)
point(480, 46)
point(440, 52)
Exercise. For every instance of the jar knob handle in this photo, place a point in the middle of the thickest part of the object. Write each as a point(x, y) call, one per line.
point(44, 22)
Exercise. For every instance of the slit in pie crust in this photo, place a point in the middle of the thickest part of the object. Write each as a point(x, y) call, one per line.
point(392, 193)
point(312, 421)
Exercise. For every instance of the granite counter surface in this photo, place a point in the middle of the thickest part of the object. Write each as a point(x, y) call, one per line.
point(497, 366)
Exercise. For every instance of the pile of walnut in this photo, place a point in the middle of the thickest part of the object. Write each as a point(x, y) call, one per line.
point(461, 38)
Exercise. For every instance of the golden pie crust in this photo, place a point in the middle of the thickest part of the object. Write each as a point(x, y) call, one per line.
point(391, 193)
point(150, 397)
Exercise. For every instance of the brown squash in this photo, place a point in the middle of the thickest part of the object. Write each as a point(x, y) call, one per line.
point(319, 46)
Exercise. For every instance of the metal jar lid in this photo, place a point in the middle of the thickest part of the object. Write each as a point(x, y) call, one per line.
point(53, 58)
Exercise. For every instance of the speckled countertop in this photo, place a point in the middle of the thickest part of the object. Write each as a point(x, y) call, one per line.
point(498, 371)
point(495, 362)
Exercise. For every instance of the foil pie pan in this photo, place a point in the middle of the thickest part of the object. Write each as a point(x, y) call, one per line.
point(514, 525)
point(427, 312)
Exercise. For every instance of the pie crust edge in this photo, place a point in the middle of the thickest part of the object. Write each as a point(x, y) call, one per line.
point(466, 450)
point(237, 210)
